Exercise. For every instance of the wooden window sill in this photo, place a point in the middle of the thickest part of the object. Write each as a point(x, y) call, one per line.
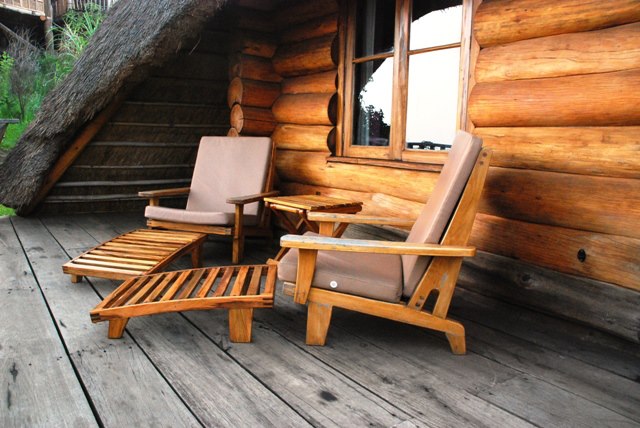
point(415, 166)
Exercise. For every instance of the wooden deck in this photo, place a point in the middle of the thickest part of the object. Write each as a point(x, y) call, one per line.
point(57, 369)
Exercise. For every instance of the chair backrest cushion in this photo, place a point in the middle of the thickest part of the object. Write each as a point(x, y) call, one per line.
point(229, 167)
point(434, 217)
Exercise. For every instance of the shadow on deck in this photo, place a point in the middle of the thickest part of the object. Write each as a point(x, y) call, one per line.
point(523, 368)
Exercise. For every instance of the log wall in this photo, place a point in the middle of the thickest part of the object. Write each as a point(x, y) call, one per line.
point(555, 94)
point(554, 91)
point(254, 84)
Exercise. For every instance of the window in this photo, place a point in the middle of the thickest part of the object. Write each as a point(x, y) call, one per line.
point(403, 78)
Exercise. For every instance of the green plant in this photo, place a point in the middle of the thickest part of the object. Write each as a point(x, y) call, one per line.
point(28, 74)
point(5, 211)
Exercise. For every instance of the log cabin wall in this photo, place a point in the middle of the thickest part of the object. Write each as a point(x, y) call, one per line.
point(151, 140)
point(306, 113)
point(253, 83)
point(556, 94)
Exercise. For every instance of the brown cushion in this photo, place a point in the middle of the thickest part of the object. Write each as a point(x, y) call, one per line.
point(376, 276)
point(431, 224)
point(227, 167)
point(195, 217)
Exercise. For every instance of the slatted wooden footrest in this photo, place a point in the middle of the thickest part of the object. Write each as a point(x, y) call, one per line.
point(237, 288)
point(140, 252)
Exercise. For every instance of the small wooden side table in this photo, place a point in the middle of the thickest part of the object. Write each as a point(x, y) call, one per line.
point(302, 205)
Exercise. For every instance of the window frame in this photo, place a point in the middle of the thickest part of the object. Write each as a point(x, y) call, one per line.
point(396, 150)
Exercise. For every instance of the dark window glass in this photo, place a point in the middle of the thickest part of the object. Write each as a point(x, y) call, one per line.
point(375, 22)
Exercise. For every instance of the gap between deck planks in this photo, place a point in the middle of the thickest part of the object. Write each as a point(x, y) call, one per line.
point(39, 385)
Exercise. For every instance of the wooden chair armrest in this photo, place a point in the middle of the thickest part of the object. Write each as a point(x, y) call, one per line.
point(369, 246)
point(164, 192)
point(241, 200)
point(359, 219)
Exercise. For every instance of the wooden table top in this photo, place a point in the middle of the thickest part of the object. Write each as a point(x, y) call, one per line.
point(312, 202)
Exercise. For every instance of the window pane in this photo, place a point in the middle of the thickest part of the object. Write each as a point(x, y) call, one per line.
point(433, 99)
point(372, 103)
point(435, 23)
point(374, 26)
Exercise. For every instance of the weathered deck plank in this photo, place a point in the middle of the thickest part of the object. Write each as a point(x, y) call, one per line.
point(523, 367)
point(199, 371)
point(32, 358)
point(284, 368)
point(105, 366)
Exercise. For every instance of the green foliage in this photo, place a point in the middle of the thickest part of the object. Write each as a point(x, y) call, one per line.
point(5, 211)
point(27, 76)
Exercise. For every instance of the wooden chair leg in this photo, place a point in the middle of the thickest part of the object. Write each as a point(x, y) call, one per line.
point(196, 257)
point(457, 343)
point(238, 249)
point(240, 321)
point(318, 320)
point(116, 327)
point(76, 278)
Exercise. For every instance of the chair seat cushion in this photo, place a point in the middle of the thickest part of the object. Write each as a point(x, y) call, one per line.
point(375, 276)
point(178, 215)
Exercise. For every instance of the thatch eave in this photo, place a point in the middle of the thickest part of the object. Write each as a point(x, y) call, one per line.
point(134, 37)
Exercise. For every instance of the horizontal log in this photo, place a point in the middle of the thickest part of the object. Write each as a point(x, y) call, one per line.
point(606, 151)
point(603, 99)
point(598, 304)
point(252, 120)
point(300, 11)
point(607, 258)
point(375, 204)
point(304, 137)
point(306, 109)
point(307, 57)
point(253, 68)
point(312, 168)
point(322, 26)
point(252, 93)
point(506, 21)
point(596, 204)
point(253, 43)
point(611, 49)
point(319, 83)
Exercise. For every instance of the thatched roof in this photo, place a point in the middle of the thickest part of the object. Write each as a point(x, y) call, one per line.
point(134, 37)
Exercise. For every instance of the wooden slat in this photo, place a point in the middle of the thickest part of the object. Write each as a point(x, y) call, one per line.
point(239, 284)
point(166, 280)
point(92, 256)
point(193, 282)
point(173, 289)
point(144, 291)
point(254, 285)
point(129, 291)
point(208, 283)
point(99, 263)
point(224, 282)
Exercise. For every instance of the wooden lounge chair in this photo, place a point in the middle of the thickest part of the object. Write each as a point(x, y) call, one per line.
point(393, 279)
point(231, 177)
point(240, 289)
